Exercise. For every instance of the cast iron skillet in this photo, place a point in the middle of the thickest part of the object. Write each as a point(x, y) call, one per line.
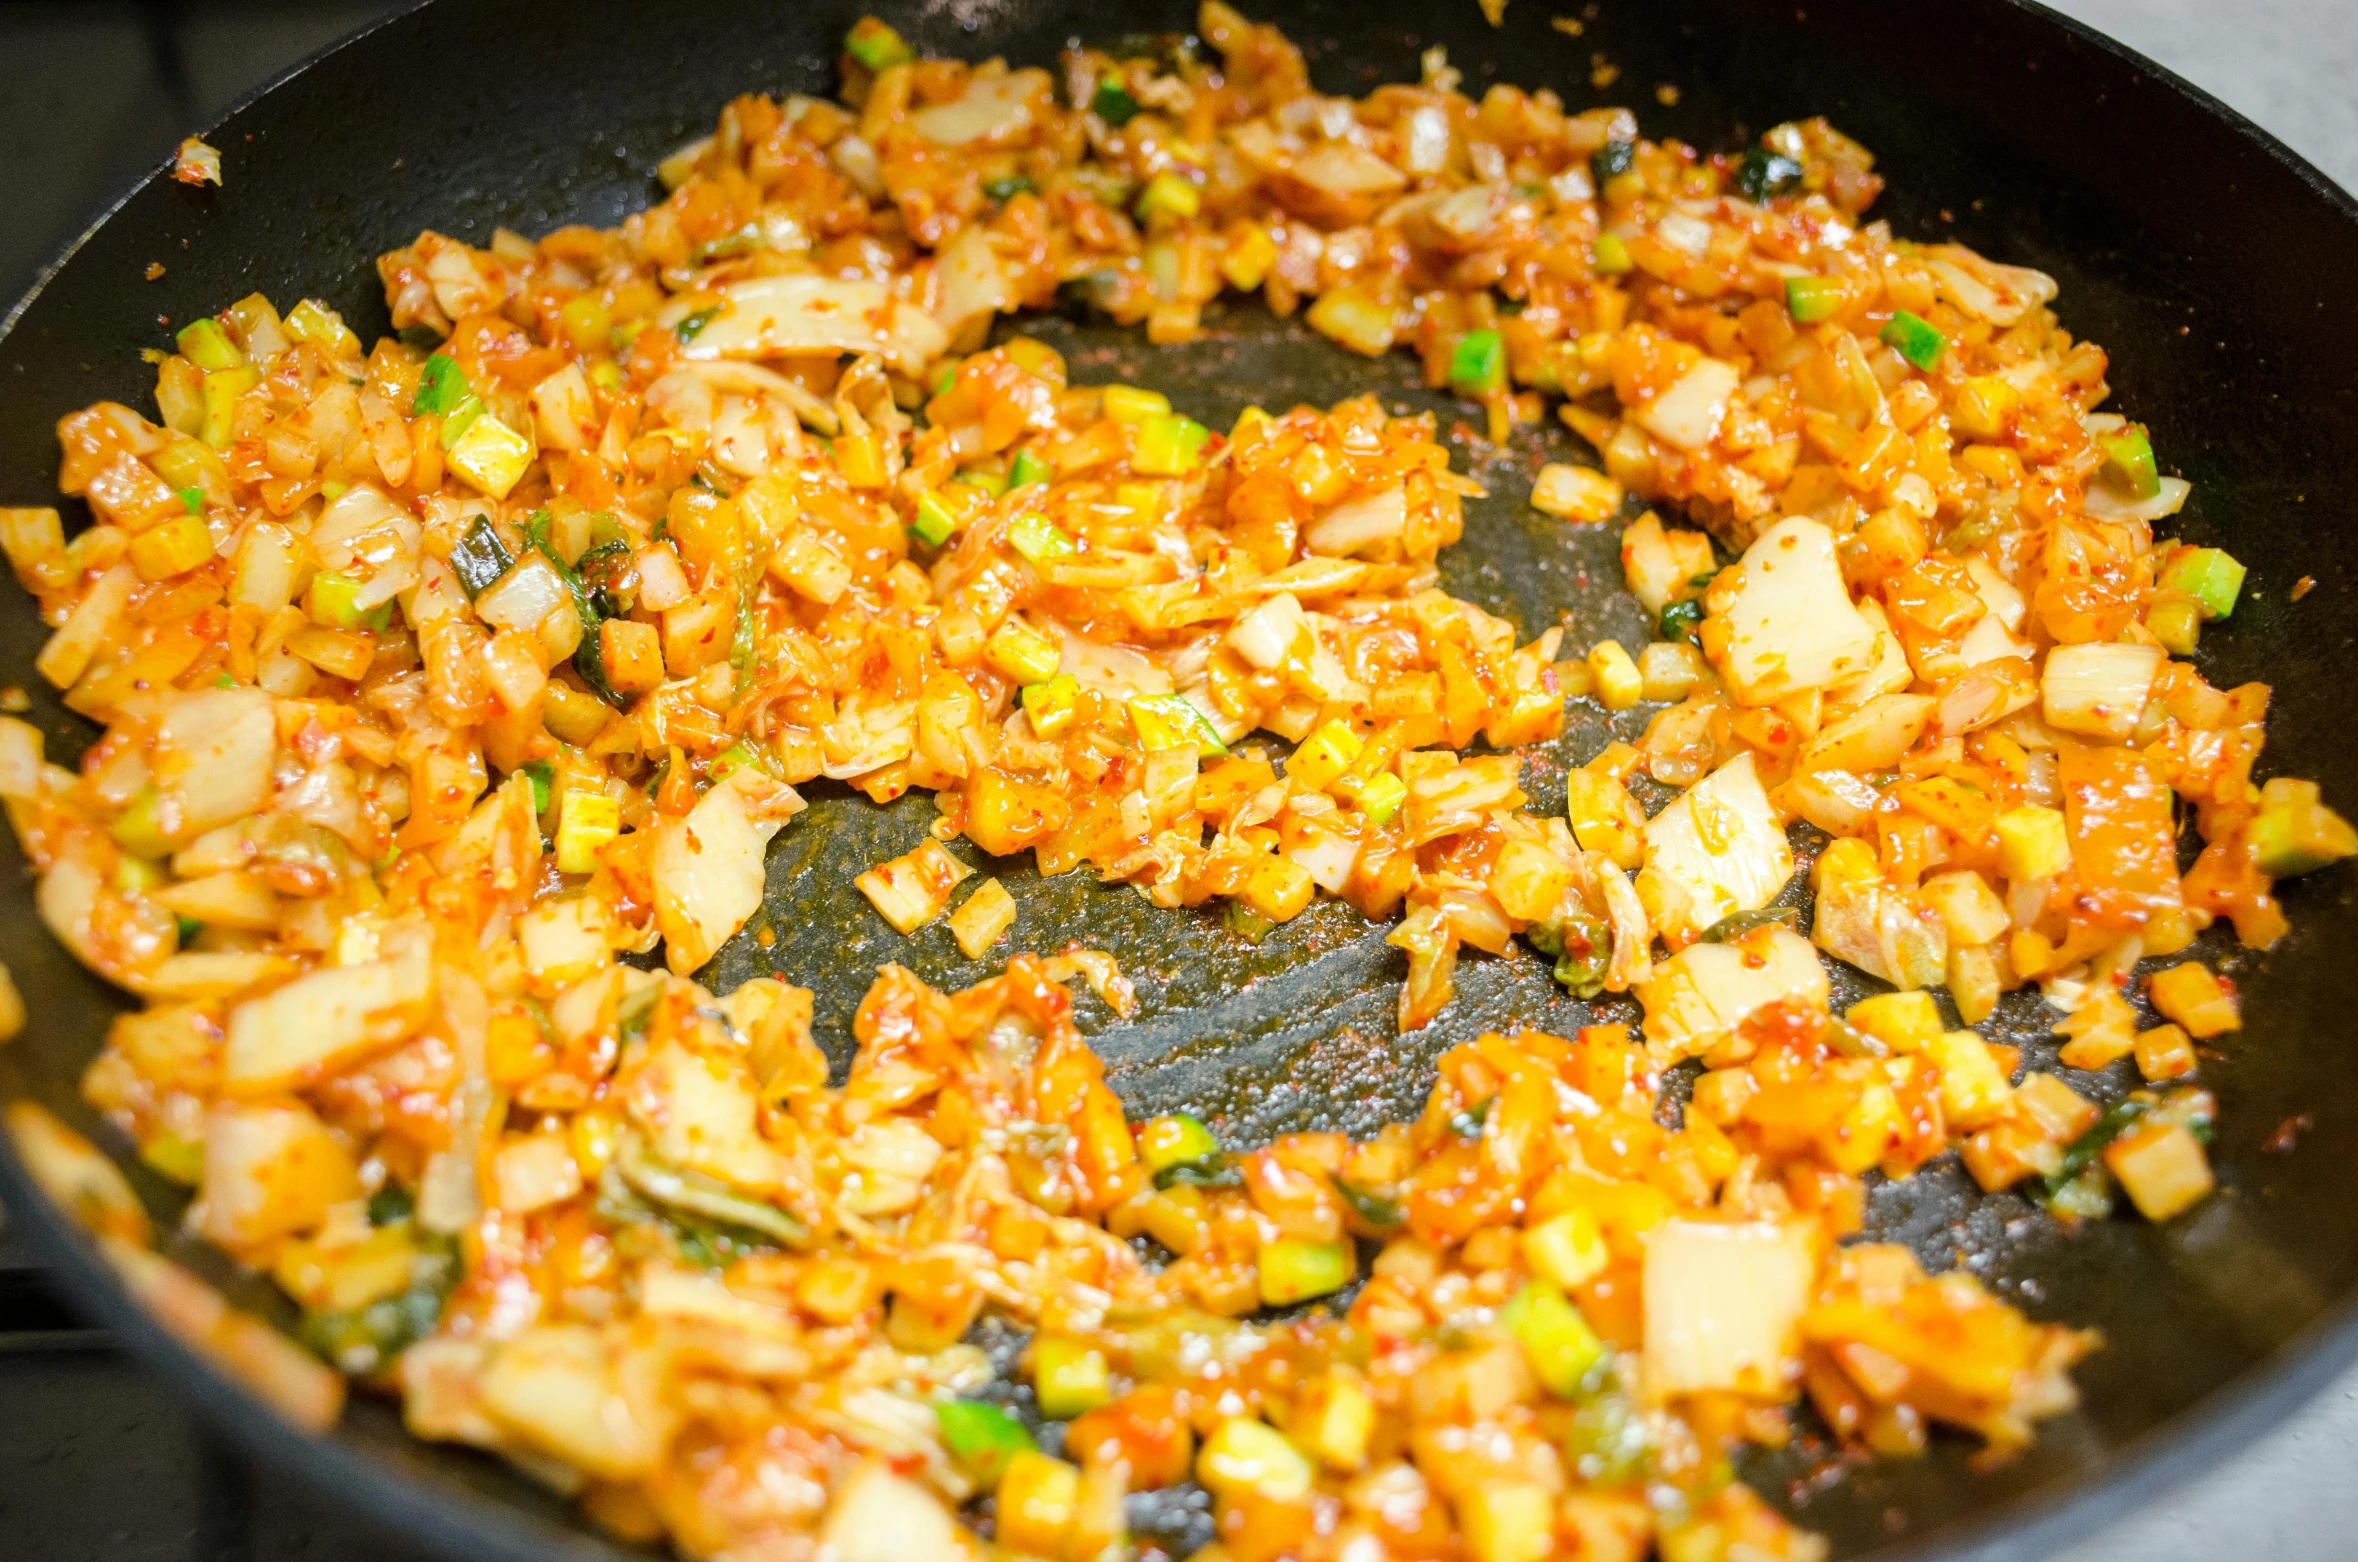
point(2210, 260)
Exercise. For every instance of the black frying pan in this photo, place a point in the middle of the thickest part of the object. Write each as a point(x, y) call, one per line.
point(2213, 263)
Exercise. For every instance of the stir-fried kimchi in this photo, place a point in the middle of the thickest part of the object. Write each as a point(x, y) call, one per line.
point(445, 678)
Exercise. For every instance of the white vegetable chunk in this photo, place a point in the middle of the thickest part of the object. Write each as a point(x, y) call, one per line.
point(1344, 170)
point(323, 1022)
point(1707, 990)
point(1355, 523)
point(1663, 564)
point(1870, 738)
point(1881, 931)
point(970, 281)
point(213, 758)
point(272, 1170)
point(1688, 414)
point(699, 1110)
point(1267, 635)
point(1722, 843)
point(1791, 627)
point(1723, 1304)
point(809, 314)
point(880, 1517)
point(2099, 689)
point(707, 864)
point(992, 107)
point(565, 1390)
point(2108, 503)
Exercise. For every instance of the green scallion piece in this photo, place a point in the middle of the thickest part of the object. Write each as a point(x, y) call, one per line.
point(1761, 173)
point(935, 525)
point(1611, 160)
point(1112, 103)
point(442, 387)
point(2128, 456)
point(982, 1437)
point(1915, 340)
point(1028, 469)
point(876, 46)
point(1811, 299)
point(1478, 367)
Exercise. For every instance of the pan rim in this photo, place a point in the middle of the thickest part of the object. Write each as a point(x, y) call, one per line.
point(458, 1522)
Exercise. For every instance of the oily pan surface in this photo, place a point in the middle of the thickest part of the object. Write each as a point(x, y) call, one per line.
point(2197, 260)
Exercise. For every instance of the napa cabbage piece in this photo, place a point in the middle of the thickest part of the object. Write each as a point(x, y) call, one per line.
point(1873, 737)
point(1984, 288)
point(1790, 627)
point(213, 757)
point(1705, 991)
point(2108, 503)
point(1359, 522)
point(581, 1395)
point(991, 108)
point(320, 1024)
point(698, 1110)
point(969, 282)
point(272, 1170)
point(707, 864)
point(1881, 930)
point(1888, 673)
point(1661, 564)
point(1721, 846)
point(1723, 1305)
point(1346, 171)
point(806, 313)
point(2099, 690)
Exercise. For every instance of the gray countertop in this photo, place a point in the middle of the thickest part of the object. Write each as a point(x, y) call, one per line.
point(2288, 66)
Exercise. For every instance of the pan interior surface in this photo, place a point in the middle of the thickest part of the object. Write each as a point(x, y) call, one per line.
point(2197, 255)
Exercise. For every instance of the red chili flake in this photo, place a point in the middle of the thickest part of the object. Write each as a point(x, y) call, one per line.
point(2287, 1137)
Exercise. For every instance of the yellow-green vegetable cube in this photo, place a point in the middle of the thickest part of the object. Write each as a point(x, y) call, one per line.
point(1567, 1249)
point(586, 823)
point(491, 456)
point(1169, 445)
point(1247, 1457)
point(1324, 756)
point(2033, 842)
point(1294, 1269)
point(1130, 404)
point(1069, 1377)
point(1052, 705)
point(1562, 1349)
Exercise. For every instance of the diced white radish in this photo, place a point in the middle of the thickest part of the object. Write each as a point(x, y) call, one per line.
point(1688, 414)
point(2099, 690)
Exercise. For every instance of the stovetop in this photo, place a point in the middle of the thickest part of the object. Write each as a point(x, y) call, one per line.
point(99, 1462)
